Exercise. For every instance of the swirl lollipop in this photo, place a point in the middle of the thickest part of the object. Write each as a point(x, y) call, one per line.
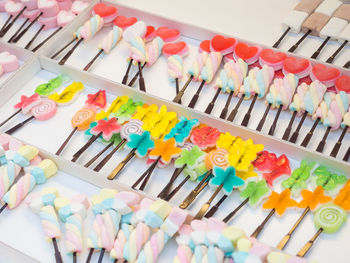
point(42, 112)
point(329, 218)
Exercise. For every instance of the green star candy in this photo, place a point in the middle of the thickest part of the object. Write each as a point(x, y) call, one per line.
point(142, 143)
point(299, 177)
point(227, 178)
point(328, 180)
point(190, 158)
point(255, 191)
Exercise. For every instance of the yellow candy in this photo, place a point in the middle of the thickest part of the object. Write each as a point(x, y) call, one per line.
point(247, 174)
point(28, 152)
point(49, 167)
point(244, 244)
point(96, 199)
point(106, 193)
point(50, 190)
point(142, 112)
point(233, 233)
point(61, 202)
point(161, 208)
point(116, 104)
point(225, 141)
point(277, 257)
point(68, 94)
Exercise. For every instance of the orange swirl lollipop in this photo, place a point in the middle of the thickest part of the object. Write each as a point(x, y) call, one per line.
point(82, 118)
point(216, 157)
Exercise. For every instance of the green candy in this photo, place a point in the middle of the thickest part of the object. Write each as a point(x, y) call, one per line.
point(125, 112)
point(255, 191)
point(330, 218)
point(48, 88)
point(190, 158)
point(116, 139)
point(328, 180)
point(197, 172)
point(299, 177)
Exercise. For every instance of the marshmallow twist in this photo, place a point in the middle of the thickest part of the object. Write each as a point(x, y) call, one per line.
point(91, 27)
point(154, 50)
point(211, 66)
point(175, 68)
point(110, 41)
point(138, 50)
point(197, 66)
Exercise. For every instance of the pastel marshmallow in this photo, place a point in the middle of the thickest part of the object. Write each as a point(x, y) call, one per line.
point(333, 28)
point(345, 34)
point(343, 12)
point(65, 17)
point(31, 14)
point(28, 151)
point(49, 8)
point(294, 20)
point(315, 22)
point(129, 198)
point(2, 5)
point(48, 22)
point(13, 8)
point(138, 29)
point(78, 6)
point(8, 62)
point(65, 5)
point(307, 6)
point(328, 7)
point(30, 4)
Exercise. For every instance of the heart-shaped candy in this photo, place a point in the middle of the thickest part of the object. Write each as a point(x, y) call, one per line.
point(228, 57)
point(48, 22)
point(249, 54)
point(343, 83)
point(167, 34)
point(65, 5)
point(272, 59)
point(324, 74)
point(124, 22)
point(299, 67)
point(222, 44)
point(13, 8)
point(65, 17)
point(136, 30)
point(78, 6)
point(49, 8)
point(30, 4)
point(8, 62)
point(204, 46)
point(31, 14)
point(150, 33)
point(178, 48)
point(104, 10)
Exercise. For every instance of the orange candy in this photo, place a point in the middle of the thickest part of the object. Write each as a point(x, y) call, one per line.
point(216, 157)
point(166, 149)
point(343, 198)
point(280, 202)
point(313, 199)
point(82, 118)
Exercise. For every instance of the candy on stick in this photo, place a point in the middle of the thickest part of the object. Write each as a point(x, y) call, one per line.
point(15, 9)
point(175, 70)
point(83, 117)
point(331, 182)
point(280, 96)
point(296, 17)
point(329, 218)
point(25, 105)
point(124, 22)
point(163, 151)
point(207, 74)
point(185, 245)
point(342, 199)
point(205, 137)
point(87, 31)
point(138, 53)
point(278, 203)
point(9, 62)
point(45, 89)
point(255, 84)
point(114, 107)
point(199, 237)
point(42, 112)
point(250, 54)
point(154, 50)
point(107, 44)
point(107, 12)
point(38, 175)
point(316, 21)
point(330, 112)
point(139, 144)
point(150, 33)
point(68, 95)
point(325, 75)
point(345, 125)
point(272, 59)
point(305, 101)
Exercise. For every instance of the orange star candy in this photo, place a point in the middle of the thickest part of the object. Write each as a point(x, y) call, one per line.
point(165, 149)
point(313, 199)
point(343, 198)
point(280, 202)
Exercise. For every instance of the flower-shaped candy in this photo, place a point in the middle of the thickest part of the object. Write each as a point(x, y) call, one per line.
point(282, 167)
point(97, 100)
point(190, 158)
point(225, 141)
point(226, 177)
point(107, 128)
point(265, 161)
point(142, 143)
point(328, 180)
point(182, 130)
point(167, 150)
point(313, 199)
point(256, 192)
point(205, 137)
point(343, 198)
point(280, 202)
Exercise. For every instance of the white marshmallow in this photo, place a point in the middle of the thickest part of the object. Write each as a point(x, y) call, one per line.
point(294, 20)
point(328, 7)
point(345, 35)
point(333, 28)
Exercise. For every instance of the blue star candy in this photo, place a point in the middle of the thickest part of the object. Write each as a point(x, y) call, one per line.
point(227, 178)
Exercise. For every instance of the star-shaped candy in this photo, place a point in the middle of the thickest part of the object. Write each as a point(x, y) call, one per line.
point(313, 199)
point(107, 128)
point(328, 180)
point(280, 202)
point(343, 198)
point(247, 174)
point(226, 177)
point(256, 192)
point(141, 142)
point(190, 158)
point(225, 141)
point(27, 103)
point(97, 100)
point(165, 149)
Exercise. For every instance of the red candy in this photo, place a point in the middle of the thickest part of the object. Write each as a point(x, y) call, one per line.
point(167, 34)
point(204, 46)
point(325, 74)
point(300, 67)
point(178, 48)
point(150, 33)
point(124, 22)
point(272, 58)
point(343, 84)
point(222, 44)
point(249, 54)
point(205, 137)
point(282, 167)
point(104, 10)
point(97, 100)
point(265, 161)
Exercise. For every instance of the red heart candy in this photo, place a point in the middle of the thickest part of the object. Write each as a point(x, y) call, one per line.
point(205, 46)
point(295, 66)
point(150, 31)
point(245, 52)
point(343, 84)
point(220, 43)
point(104, 10)
point(124, 22)
point(174, 48)
point(323, 73)
point(272, 57)
point(167, 34)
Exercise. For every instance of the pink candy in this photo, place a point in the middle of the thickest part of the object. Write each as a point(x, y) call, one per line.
point(49, 8)
point(64, 18)
point(30, 4)
point(8, 62)
point(48, 22)
point(65, 5)
point(31, 14)
point(13, 8)
point(45, 110)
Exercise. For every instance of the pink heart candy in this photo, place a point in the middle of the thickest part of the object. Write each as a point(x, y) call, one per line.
point(65, 5)
point(49, 8)
point(49, 22)
point(65, 17)
point(8, 62)
point(31, 14)
point(13, 8)
point(30, 4)
point(78, 6)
